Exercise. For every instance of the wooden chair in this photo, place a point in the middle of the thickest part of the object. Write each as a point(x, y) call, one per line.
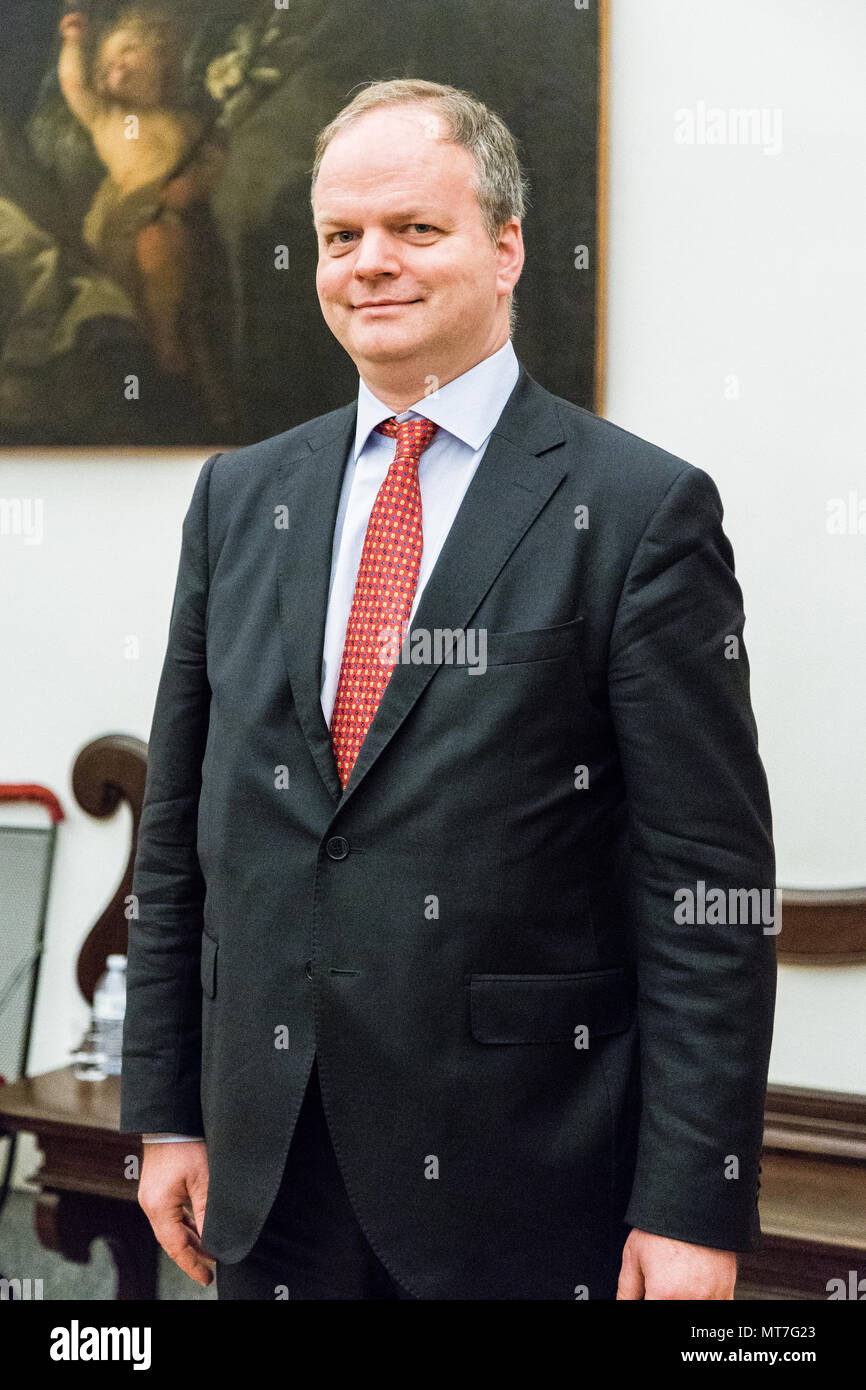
point(88, 1177)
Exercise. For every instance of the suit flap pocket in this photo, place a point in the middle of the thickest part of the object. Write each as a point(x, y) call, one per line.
point(538, 644)
point(549, 1008)
point(209, 949)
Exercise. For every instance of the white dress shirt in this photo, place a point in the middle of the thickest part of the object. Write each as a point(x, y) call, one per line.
point(466, 410)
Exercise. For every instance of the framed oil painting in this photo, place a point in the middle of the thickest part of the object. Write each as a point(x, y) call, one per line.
point(162, 293)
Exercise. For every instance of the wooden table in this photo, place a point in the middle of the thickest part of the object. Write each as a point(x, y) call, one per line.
point(813, 1196)
point(89, 1175)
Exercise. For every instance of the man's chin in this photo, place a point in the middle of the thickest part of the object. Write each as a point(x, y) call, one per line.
point(383, 346)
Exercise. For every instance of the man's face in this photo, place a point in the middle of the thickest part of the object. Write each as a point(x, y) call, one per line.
point(407, 272)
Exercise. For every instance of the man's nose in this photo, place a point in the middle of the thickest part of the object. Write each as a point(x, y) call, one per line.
point(377, 255)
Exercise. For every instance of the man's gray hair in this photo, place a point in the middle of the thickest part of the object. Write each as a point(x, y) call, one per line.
point(500, 185)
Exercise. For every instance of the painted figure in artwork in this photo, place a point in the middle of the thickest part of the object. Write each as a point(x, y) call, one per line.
point(150, 223)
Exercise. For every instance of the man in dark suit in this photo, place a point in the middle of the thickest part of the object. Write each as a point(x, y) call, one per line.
point(452, 972)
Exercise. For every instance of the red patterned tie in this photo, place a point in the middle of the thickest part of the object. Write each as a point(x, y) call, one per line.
point(384, 591)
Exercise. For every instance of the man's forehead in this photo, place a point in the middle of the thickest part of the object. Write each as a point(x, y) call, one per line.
point(444, 202)
point(373, 176)
point(385, 142)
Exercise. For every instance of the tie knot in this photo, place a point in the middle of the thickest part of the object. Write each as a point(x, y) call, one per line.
point(412, 435)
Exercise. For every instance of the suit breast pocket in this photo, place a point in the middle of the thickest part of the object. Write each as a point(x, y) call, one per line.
point(550, 1008)
point(532, 644)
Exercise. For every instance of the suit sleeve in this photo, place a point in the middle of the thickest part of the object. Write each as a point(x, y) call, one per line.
point(699, 820)
point(160, 1078)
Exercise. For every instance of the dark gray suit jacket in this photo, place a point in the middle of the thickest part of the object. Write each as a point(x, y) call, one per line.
point(523, 1050)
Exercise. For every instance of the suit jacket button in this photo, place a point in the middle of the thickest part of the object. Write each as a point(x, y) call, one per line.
point(337, 847)
point(308, 969)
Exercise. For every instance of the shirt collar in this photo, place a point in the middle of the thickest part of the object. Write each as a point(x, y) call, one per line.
point(467, 407)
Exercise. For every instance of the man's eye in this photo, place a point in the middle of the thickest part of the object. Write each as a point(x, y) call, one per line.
point(345, 237)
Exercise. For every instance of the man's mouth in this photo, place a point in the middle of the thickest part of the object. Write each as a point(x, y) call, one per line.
point(385, 303)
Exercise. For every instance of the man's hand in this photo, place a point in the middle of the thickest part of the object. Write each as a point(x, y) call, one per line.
point(172, 1192)
point(656, 1267)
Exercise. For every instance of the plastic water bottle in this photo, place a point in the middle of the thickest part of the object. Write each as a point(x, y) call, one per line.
point(109, 1007)
point(88, 1057)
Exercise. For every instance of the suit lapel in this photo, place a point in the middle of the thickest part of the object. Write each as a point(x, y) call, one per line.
point(510, 487)
point(309, 484)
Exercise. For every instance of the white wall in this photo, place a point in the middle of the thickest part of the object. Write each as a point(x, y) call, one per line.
point(726, 261)
point(103, 574)
point(723, 261)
